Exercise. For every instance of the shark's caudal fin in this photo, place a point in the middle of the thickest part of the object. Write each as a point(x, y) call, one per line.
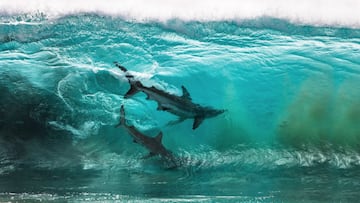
point(122, 117)
point(120, 67)
point(133, 83)
point(133, 90)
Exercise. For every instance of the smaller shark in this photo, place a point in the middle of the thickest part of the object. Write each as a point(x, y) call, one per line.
point(153, 144)
point(181, 106)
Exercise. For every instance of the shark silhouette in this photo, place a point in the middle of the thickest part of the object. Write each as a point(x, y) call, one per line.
point(181, 106)
point(153, 144)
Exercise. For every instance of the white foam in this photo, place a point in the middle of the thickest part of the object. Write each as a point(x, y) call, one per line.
point(314, 12)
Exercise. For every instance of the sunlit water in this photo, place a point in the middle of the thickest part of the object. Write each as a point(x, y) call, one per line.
point(291, 131)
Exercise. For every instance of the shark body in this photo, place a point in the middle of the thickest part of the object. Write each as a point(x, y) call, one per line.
point(153, 144)
point(182, 106)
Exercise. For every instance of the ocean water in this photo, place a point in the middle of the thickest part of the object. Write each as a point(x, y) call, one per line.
point(287, 72)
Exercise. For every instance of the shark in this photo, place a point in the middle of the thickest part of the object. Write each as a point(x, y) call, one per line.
point(153, 144)
point(182, 106)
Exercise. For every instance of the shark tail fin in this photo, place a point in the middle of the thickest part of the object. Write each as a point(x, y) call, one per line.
point(120, 67)
point(133, 83)
point(122, 116)
point(123, 69)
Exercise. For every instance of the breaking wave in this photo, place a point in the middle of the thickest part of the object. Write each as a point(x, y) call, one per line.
point(319, 12)
point(288, 80)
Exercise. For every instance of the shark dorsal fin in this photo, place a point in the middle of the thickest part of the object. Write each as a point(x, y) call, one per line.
point(158, 137)
point(186, 93)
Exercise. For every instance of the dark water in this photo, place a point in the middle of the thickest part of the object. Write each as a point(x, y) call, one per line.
point(291, 132)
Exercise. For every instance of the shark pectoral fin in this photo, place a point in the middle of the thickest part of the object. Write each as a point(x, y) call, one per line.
point(158, 138)
point(133, 90)
point(197, 122)
point(149, 155)
point(186, 94)
point(181, 119)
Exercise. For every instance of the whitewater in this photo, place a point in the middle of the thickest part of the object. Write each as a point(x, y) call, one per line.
point(287, 73)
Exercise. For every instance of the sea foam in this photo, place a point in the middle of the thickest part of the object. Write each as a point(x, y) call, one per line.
point(337, 13)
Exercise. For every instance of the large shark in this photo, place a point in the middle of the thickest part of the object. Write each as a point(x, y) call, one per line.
point(181, 106)
point(153, 144)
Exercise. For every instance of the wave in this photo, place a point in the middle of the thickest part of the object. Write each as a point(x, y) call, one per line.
point(290, 91)
point(318, 13)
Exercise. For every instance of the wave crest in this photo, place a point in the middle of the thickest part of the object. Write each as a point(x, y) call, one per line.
point(319, 12)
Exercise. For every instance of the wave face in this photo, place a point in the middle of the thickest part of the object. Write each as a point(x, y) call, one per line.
point(291, 131)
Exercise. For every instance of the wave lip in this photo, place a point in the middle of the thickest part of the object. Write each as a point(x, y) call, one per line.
point(313, 12)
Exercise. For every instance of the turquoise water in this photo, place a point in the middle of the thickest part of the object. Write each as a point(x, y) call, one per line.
point(291, 132)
